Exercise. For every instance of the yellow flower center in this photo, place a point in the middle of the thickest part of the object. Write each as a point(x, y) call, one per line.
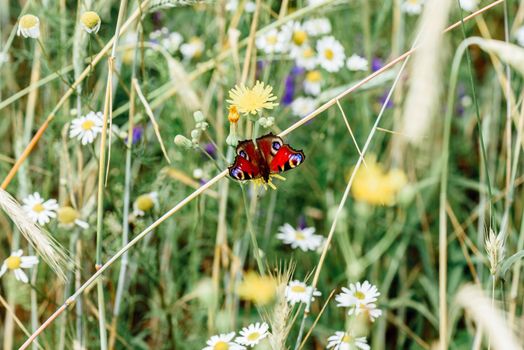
point(346, 339)
point(359, 295)
point(90, 19)
point(314, 76)
point(38, 208)
point(329, 54)
point(88, 124)
point(413, 2)
point(272, 39)
point(28, 21)
point(145, 202)
point(308, 53)
point(298, 289)
point(198, 46)
point(13, 262)
point(67, 215)
point(299, 236)
point(299, 37)
point(253, 336)
point(221, 345)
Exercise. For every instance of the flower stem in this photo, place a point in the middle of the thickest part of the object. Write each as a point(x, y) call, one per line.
point(256, 250)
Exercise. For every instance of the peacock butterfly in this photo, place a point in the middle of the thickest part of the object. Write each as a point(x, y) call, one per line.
point(263, 157)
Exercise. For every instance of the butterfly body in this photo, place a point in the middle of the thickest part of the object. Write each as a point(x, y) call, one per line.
point(266, 155)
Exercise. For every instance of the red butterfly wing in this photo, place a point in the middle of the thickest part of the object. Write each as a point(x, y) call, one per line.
point(246, 165)
point(279, 156)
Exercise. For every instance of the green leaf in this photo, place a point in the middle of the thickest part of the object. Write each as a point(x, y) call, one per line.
point(506, 264)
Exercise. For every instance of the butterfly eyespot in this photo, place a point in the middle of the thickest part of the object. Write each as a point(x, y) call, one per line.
point(275, 146)
point(243, 154)
point(295, 160)
point(237, 174)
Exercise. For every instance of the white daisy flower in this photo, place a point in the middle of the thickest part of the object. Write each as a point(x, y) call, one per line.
point(313, 82)
point(298, 292)
point(69, 216)
point(305, 239)
point(232, 6)
point(295, 34)
point(253, 334)
point(271, 42)
point(169, 40)
point(302, 106)
point(412, 7)
point(90, 21)
point(86, 128)
point(317, 26)
point(358, 293)
point(145, 203)
point(4, 57)
point(469, 5)
point(38, 209)
point(357, 63)
point(306, 58)
point(250, 6)
point(223, 342)
point(360, 298)
point(194, 48)
point(16, 262)
point(520, 36)
point(331, 54)
point(29, 27)
point(344, 341)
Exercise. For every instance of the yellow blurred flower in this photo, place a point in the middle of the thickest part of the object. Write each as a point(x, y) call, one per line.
point(90, 22)
point(252, 100)
point(374, 185)
point(258, 289)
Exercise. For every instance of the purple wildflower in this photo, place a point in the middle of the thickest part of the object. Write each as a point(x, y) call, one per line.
point(289, 90)
point(383, 98)
point(290, 85)
point(210, 149)
point(302, 224)
point(138, 131)
point(376, 64)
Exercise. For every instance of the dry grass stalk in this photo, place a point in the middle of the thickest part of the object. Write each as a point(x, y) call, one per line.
point(52, 253)
point(426, 71)
point(487, 317)
point(280, 317)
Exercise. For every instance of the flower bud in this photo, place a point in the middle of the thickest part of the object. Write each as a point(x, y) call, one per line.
point(181, 140)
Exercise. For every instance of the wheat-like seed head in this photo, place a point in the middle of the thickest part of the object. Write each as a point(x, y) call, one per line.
point(426, 72)
point(50, 250)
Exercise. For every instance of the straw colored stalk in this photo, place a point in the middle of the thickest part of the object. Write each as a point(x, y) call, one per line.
point(52, 253)
point(489, 318)
point(426, 71)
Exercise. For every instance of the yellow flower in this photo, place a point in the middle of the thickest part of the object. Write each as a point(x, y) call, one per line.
point(69, 216)
point(29, 26)
point(252, 100)
point(233, 115)
point(90, 21)
point(258, 289)
point(145, 203)
point(373, 185)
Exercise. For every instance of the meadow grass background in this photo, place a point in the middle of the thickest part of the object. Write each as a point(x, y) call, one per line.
point(180, 285)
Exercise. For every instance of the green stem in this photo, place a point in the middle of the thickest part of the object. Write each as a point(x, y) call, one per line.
point(256, 250)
